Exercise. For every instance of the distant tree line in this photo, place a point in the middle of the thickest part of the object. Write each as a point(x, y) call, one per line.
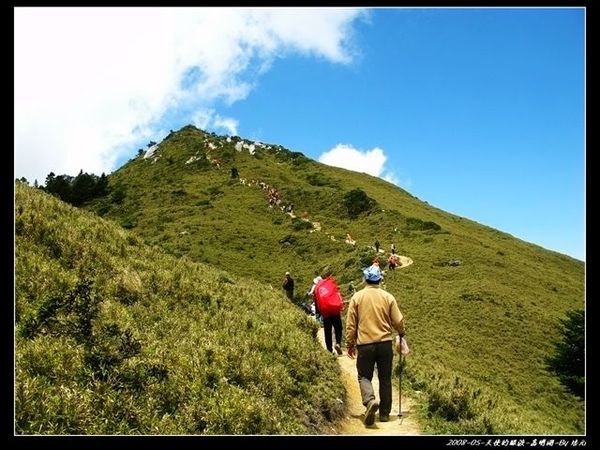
point(76, 190)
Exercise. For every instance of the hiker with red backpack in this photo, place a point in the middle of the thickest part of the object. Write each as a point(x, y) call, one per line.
point(329, 305)
point(373, 315)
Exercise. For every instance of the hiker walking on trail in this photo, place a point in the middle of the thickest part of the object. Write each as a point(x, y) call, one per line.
point(393, 249)
point(392, 261)
point(373, 315)
point(329, 303)
point(376, 245)
point(288, 286)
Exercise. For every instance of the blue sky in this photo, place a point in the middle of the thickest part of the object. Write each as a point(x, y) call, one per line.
point(479, 112)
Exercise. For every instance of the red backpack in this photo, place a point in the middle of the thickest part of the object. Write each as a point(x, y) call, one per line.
point(329, 299)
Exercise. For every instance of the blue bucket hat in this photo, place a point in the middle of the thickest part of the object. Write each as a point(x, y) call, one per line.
point(372, 273)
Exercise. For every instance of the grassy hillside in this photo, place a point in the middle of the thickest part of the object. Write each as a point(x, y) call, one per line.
point(480, 330)
point(116, 337)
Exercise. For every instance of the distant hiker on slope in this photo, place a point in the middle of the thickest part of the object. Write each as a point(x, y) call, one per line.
point(373, 315)
point(288, 286)
point(393, 249)
point(392, 261)
point(329, 304)
point(377, 246)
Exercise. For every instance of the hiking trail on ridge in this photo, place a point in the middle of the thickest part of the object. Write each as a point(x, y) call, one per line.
point(275, 199)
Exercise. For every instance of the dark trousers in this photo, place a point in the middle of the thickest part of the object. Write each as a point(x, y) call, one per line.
point(290, 295)
point(336, 323)
point(369, 355)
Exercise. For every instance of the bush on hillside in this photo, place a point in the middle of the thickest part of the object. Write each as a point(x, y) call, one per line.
point(357, 202)
point(179, 192)
point(456, 407)
point(214, 191)
point(453, 403)
point(299, 224)
point(367, 256)
point(413, 223)
point(296, 158)
point(300, 163)
point(318, 179)
point(568, 362)
point(102, 207)
point(118, 194)
point(128, 221)
point(288, 240)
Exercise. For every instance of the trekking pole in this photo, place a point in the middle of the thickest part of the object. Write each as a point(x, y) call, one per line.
point(400, 366)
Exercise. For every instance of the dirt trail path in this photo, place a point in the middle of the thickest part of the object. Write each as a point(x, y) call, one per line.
point(404, 261)
point(353, 422)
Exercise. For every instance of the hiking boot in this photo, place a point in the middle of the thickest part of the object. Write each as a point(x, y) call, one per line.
point(372, 407)
point(338, 349)
point(384, 417)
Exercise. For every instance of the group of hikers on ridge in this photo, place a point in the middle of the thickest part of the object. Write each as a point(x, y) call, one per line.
point(393, 260)
point(372, 318)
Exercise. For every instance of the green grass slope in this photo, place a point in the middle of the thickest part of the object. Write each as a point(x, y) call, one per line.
point(480, 331)
point(116, 337)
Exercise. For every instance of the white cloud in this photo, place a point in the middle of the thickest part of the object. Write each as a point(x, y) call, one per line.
point(209, 119)
point(92, 82)
point(202, 118)
point(371, 162)
point(228, 124)
point(348, 157)
point(391, 178)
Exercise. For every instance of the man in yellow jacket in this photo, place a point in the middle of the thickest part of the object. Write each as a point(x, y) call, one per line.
point(373, 315)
